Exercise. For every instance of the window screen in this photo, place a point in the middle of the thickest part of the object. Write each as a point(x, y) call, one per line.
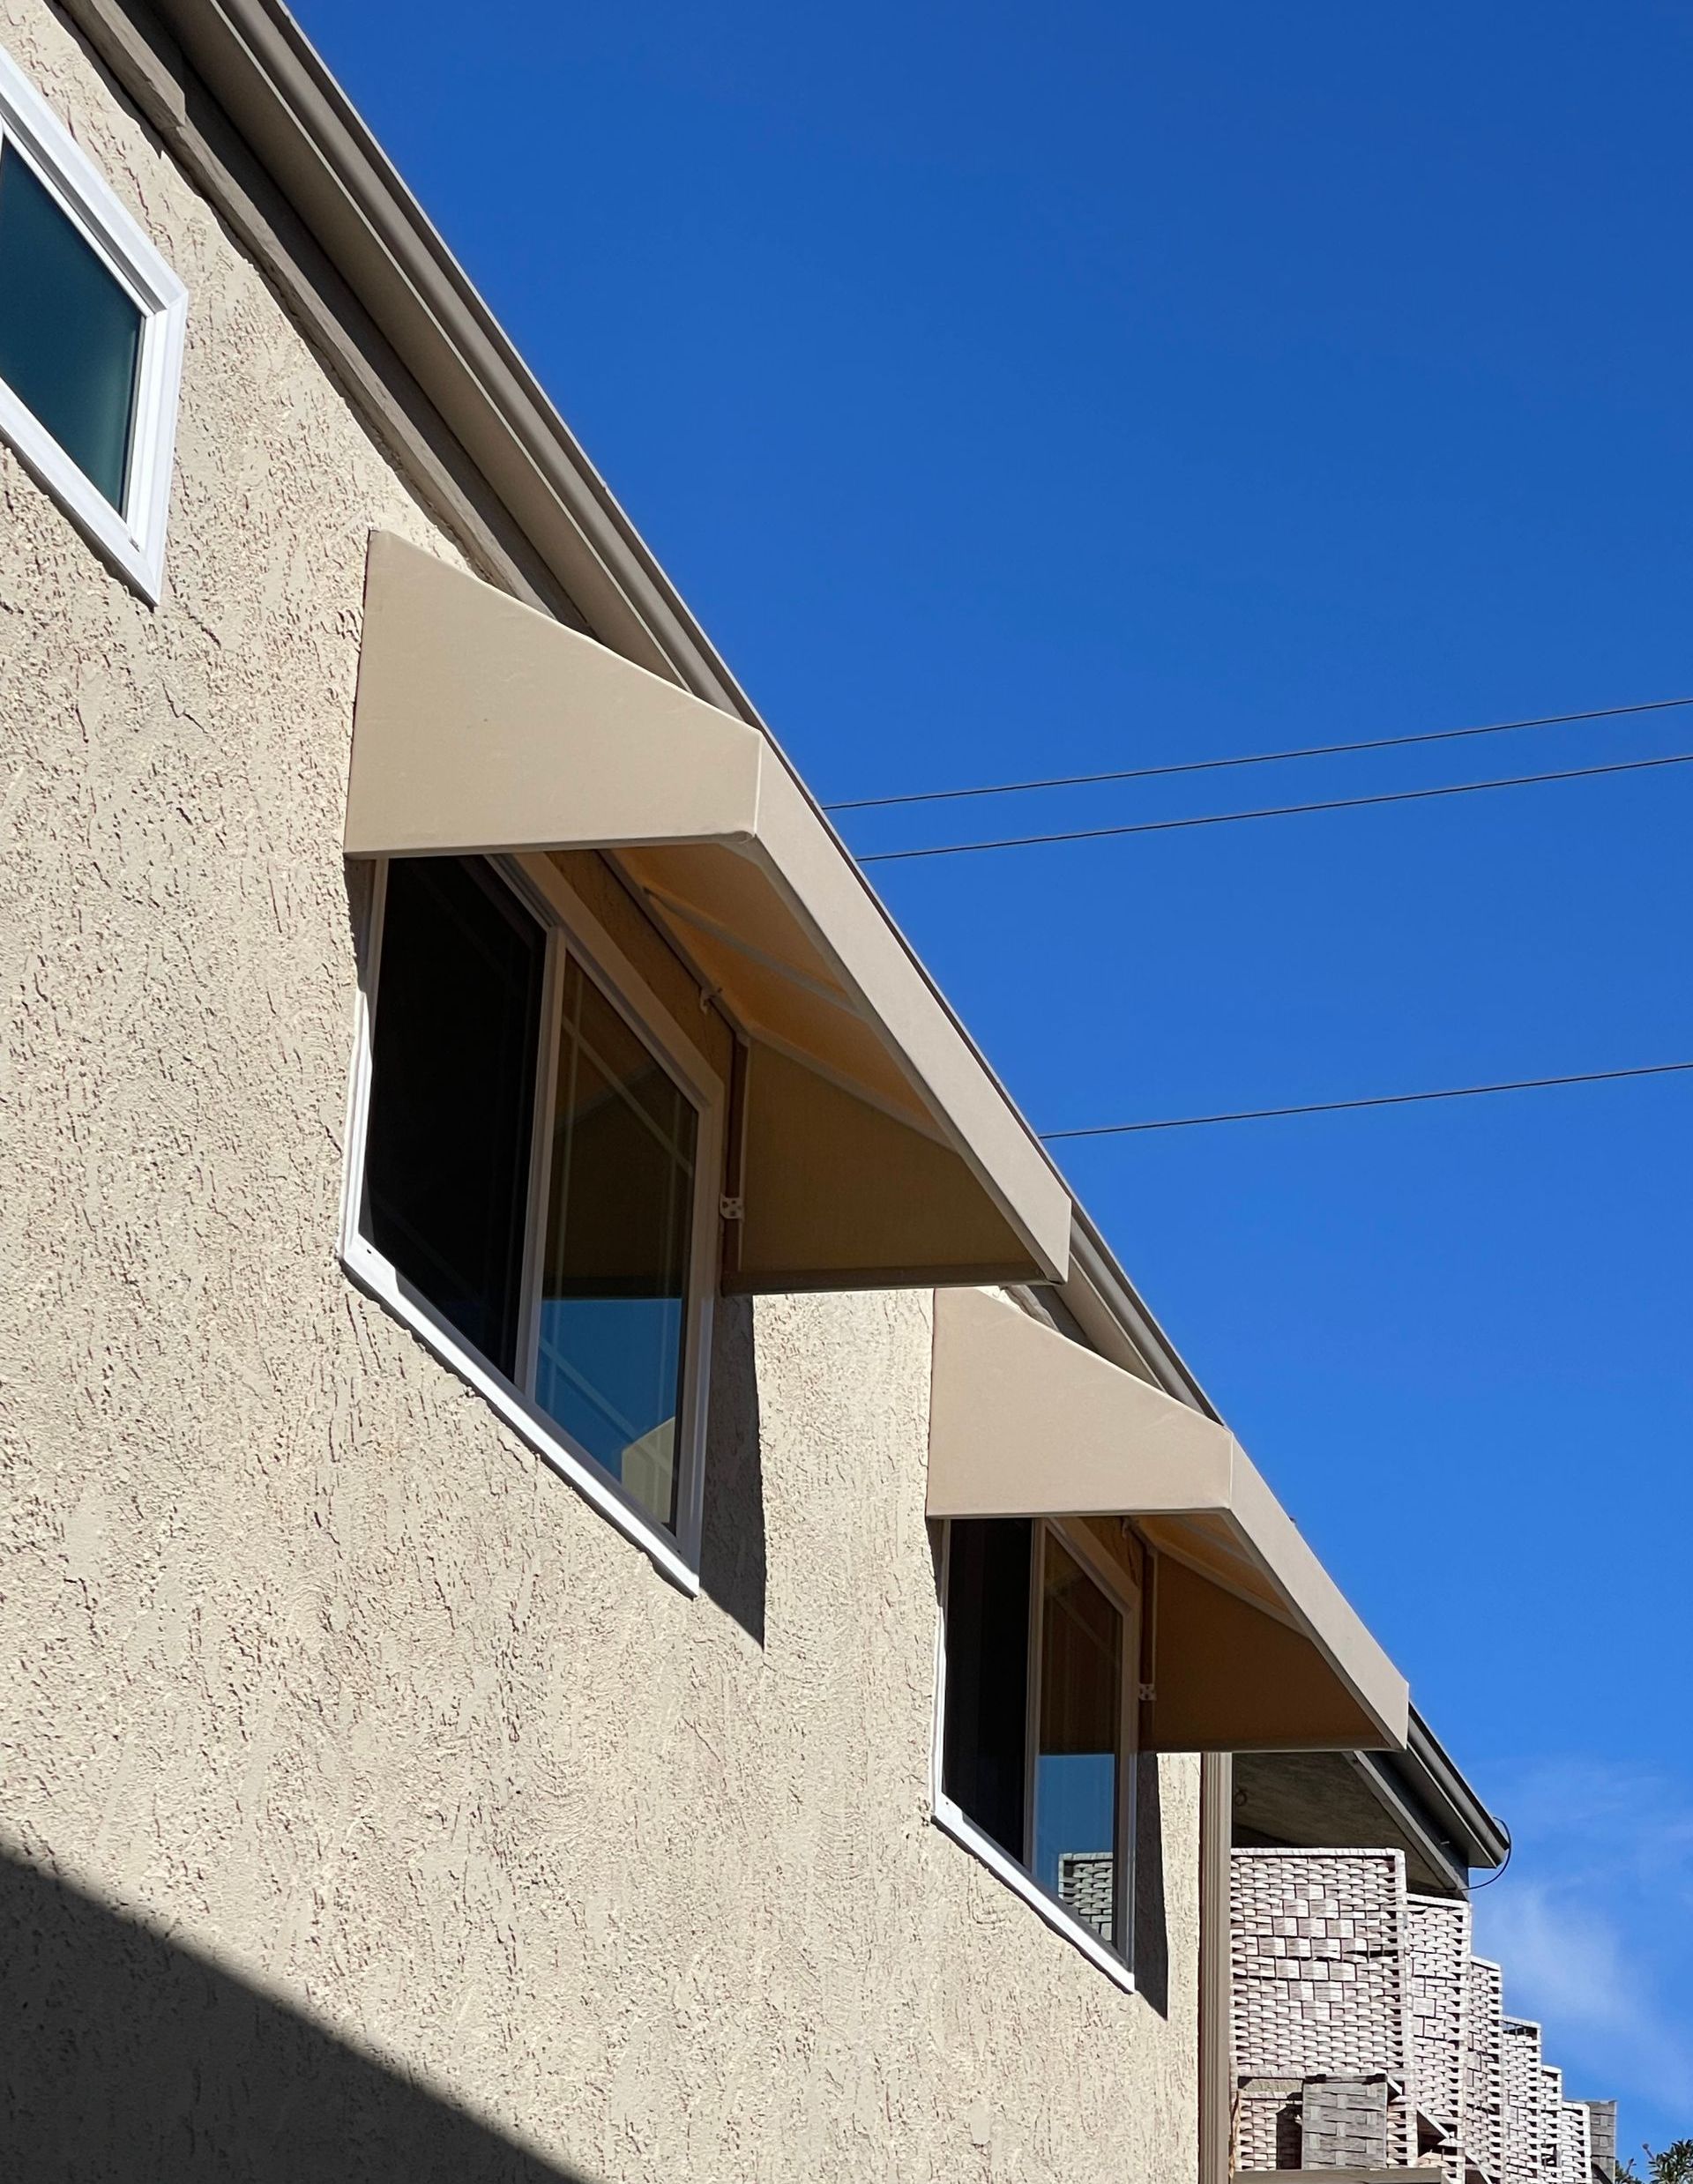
point(1078, 1758)
point(615, 1264)
point(70, 333)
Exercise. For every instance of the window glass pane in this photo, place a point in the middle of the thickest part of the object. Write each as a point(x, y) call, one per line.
point(614, 1290)
point(1079, 1760)
point(456, 1041)
point(984, 1755)
point(70, 336)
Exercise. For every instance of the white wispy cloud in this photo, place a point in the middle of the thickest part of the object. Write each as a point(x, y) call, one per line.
point(1573, 1969)
point(1593, 1925)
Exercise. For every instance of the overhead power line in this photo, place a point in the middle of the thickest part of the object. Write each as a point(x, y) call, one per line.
point(1274, 811)
point(1381, 1099)
point(1252, 758)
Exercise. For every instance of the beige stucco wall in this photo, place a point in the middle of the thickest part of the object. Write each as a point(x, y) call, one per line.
point(310, 1662)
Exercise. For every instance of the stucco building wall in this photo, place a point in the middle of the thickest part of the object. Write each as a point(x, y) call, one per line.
point(311, 1664)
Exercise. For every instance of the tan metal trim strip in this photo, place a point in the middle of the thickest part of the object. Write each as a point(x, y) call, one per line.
point(1216, 2037)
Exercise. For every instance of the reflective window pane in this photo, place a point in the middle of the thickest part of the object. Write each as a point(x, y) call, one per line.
point(1078, 1761)
point(70, 335)
point(984, 1757)
point(454, 1049)
point(614, 1286)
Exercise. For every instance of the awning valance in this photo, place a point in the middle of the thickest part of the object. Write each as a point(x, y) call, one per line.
point(876, 1147)
point(1254, 1647)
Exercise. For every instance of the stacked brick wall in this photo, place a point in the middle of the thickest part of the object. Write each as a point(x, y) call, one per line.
point(1602, 2126)
point(1318, 1948)
point(1484, 2072)
point(1551, 2116)
point(1367, 2035)
point(1523, 2112)
point(1575, 2141)
point(1344, 2124)
point(1440, 2004)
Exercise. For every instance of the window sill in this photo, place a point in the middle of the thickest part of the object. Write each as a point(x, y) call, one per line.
point(139, 564)
point(374, 1275)
point(954, 1821)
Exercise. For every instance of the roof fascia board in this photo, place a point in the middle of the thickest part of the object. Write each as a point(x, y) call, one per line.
point(1412, 1823)
point(1106, 1305)
point(262, 69)
point(1452, 1801)
point(151, 70)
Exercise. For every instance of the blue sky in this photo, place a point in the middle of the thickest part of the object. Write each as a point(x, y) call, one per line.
point(1021, 391)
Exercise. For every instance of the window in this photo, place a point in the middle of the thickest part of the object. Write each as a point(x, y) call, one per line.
point(91, 338)
point(614, 1267)
point(1040, 1633)
point(535, 1185)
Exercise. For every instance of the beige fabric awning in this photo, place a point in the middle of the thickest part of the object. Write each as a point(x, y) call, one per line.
point(876, 1146)
point(1254, 1647)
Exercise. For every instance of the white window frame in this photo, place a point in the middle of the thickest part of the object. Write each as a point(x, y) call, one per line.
point(950, 1816)
point(131, 539)
point(571, 929)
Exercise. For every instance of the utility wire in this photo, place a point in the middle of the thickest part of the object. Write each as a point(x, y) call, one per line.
point(1275, 811)
point(1253, 758)
point(1383, 1099)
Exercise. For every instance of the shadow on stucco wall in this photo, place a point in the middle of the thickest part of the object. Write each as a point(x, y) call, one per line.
point(126, 2059)
point(1152, 1930)
point(732, 1539)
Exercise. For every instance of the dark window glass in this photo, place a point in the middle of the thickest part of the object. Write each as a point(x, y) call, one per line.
point(614, 1267)
point(70, 335)
point(1078, 1755)
point(985, 1754)
point(457, 1036)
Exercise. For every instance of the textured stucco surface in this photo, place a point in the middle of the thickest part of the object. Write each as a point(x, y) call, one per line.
point(311, 1666)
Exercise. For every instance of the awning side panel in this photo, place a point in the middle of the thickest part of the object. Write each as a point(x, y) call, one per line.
point(840, 1195)
point(1228, 1677)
